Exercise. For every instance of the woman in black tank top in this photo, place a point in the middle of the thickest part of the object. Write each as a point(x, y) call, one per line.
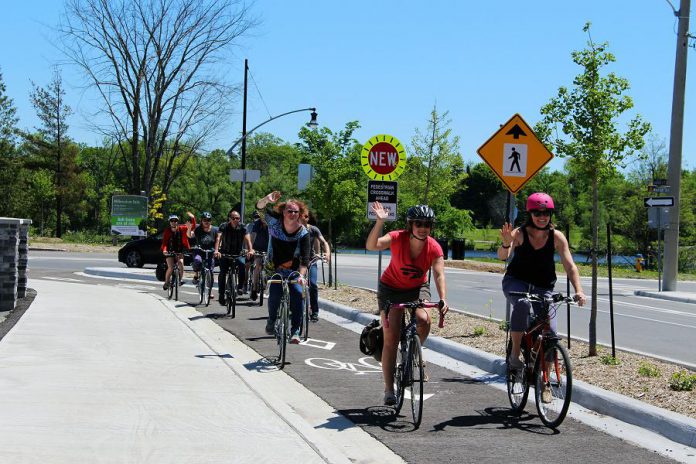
point(532, 268)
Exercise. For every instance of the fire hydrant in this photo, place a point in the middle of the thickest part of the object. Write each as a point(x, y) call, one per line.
point(639, 262)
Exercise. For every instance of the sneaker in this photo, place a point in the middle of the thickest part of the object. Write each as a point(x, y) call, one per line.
point(295, 339)
point(389, 399)
point(195, 281)
point(270, 330)
point(165, 286)
point(314, 317)
point(515, 364)
point(546, 396)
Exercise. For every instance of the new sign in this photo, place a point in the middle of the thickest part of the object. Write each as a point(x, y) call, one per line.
point(383, 157)
point(514, 153)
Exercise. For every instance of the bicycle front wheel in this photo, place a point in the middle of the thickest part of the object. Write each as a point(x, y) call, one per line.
point(208, 285)
point(400, 377)
point(170, 289)
point(416, 378)
point(231, 293)
point(281, 329)
point(305, 316)
point(201, 288)
point(553, 384)
point(261, 285)
point(517, 382)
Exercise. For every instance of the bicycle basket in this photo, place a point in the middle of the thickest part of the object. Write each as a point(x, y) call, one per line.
point(372, 339)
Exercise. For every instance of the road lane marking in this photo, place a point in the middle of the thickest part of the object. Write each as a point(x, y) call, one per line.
point(360, 368)
point(62, 279)
point(321, 344)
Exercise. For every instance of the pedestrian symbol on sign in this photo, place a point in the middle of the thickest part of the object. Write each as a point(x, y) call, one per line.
point(515, 159)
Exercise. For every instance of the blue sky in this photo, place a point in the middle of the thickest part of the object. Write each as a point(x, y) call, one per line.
point(387, 63)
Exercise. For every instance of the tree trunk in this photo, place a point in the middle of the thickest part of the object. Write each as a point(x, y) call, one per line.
point(593, 254)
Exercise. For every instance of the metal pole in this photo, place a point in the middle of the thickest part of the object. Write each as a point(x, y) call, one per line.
point(379, 267)
point(659, 253)
point(611, 292)
point(244, 118)
point(508, 216)
point(675, 146)
point(335, 261)
point(567, 231)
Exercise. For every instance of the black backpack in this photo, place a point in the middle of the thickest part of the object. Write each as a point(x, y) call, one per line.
point(161, 271)
point(372, 340)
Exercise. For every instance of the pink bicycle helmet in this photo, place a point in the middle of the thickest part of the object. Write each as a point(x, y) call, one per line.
point(539, 201)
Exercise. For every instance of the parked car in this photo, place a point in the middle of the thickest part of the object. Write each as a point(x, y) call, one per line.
point(139, 252)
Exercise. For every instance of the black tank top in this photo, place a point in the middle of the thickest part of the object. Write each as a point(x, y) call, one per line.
point(536, 267)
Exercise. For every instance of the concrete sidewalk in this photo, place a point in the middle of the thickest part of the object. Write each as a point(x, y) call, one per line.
point(102, 374)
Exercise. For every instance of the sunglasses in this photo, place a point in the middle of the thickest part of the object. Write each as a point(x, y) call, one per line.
point(292, 211)
point(427, 224)
point(541, 213)
point(173, 220)
point(234, 218)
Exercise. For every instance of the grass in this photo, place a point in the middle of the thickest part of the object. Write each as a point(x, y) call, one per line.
point(682, 381)
point(609, 360)
point(647, 369)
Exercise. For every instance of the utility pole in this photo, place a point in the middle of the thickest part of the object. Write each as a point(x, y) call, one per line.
point(244, 134)
point(669, 278)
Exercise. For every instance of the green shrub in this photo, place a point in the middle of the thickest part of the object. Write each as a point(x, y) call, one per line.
point(503, 326)
point(647, 369)
point(682, 381)
point(609, 360)
point(478, 331)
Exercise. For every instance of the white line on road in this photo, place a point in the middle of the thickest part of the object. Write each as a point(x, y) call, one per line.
point(61, 279)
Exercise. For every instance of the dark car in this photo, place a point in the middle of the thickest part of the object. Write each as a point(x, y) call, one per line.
point(139, 252)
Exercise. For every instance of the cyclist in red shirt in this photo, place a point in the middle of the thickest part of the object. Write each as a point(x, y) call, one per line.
point(175, 240)
point(413, 253)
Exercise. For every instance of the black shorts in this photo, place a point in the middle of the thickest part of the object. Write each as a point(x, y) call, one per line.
point(397, 295)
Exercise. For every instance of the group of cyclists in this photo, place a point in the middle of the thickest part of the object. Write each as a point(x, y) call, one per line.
point(284, 232)
point(282, 235)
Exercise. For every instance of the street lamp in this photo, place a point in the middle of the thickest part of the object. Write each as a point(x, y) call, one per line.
point(312, 124)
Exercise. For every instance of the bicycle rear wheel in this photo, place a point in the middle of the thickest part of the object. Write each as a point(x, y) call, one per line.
point(553, 384)
point(177, 282)
point(400, 378)
point(517, 381)
point(281, 329)
point(261, 285)
point(416, 377)
point(170, 289)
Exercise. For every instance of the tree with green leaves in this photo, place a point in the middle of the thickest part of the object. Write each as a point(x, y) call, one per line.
point(338, 189)
point(582, 123)
point(11, 172)
point(434, 172)
point(51, 144)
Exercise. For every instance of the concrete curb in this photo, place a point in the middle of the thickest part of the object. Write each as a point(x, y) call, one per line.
point(672, 296)
point(675, 427)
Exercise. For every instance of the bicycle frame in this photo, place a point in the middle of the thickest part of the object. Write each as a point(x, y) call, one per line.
point(282, 322)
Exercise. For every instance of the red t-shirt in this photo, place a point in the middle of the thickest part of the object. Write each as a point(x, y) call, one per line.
point(177, 245)
point(404, 272)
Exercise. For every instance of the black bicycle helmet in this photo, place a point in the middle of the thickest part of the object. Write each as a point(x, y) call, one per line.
point(420, 212)
point(206, 215)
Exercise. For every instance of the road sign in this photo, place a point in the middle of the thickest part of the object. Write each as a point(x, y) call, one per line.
point(658, 218)
point(383, 157)
point(386, 193)
point(658, 201)
point(128, 214)
point(662, 189)
point(514, 153)
point(252, 175)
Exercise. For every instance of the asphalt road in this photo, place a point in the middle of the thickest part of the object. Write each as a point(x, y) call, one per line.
point(465, 420)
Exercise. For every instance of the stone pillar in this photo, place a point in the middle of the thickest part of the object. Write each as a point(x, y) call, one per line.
point(23, 258)
point(9, 245)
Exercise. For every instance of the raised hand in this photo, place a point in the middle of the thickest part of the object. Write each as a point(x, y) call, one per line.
point(379, 210)
point(273, 196)
point(506, 234)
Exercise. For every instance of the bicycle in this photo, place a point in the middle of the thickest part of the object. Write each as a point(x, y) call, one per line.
point(546, 364)
point(205, 281)
point(174, 282)
point(231, 284)
point(409, 374)
point(282, 322)
point(258, 286)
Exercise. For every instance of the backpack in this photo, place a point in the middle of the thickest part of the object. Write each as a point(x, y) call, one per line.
point(161, 271)
point(372, 339)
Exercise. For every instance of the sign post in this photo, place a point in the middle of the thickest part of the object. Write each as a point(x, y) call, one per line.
point(128, 213)
point(383, 158)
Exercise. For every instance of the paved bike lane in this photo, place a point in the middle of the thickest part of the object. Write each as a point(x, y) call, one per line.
point(464, 418)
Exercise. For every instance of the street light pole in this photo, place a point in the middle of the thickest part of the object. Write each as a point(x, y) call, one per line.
point(244, 134)
point(671, 236)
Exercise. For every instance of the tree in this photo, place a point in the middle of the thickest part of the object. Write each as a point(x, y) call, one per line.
point(51, 144)
point(434, 173)
point(155, 66)
point(11, 172)
point(582, 123)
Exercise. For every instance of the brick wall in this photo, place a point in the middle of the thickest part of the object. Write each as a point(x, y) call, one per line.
point(14, 235)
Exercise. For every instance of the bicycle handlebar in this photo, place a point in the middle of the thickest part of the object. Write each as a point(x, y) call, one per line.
point(555, 297)
point(412, 305)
